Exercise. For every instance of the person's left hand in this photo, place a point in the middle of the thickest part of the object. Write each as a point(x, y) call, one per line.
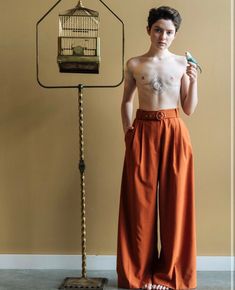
point(191, 71)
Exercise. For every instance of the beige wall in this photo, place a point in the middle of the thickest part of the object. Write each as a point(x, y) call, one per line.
point(39, 148)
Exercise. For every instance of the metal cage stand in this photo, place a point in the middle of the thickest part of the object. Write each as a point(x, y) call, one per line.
point(83, 281)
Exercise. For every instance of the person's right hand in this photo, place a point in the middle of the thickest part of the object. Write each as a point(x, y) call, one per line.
point(129, 128)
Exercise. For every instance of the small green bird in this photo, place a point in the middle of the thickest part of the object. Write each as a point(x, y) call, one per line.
point(190, 58)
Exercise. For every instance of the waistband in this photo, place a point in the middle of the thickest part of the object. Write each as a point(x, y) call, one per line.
point(157, 115)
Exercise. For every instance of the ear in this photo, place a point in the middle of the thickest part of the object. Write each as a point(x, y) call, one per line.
point(148, 30)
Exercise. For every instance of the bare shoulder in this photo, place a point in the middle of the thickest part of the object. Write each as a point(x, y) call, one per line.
point(133, 62)
point(180, 59)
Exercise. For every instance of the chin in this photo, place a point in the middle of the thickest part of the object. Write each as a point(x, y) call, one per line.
point(160, 47)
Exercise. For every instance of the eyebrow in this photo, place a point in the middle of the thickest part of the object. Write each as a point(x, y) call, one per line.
point(162, 28)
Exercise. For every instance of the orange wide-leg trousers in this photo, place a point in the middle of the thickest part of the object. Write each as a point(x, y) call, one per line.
point(157, 176)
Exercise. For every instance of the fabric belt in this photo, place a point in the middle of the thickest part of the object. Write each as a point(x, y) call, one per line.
point(157, 115)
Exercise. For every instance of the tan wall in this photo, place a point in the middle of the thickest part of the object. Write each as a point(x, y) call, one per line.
point(39, 148)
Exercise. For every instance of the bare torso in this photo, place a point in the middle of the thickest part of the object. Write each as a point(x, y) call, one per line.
point(158, 81)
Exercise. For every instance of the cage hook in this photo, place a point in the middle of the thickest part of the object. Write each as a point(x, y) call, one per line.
point(80, 3)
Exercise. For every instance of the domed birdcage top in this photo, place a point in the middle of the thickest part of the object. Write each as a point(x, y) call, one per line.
point(80, 10)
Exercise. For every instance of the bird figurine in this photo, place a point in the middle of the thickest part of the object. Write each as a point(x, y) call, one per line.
point(78, 50)
point(191, 59)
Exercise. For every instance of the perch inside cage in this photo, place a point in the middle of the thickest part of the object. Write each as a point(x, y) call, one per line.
point(78, 41)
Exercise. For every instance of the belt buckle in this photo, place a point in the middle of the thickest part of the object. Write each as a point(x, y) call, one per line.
point(160, 115)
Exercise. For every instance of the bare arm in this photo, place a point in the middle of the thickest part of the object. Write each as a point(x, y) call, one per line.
point(188, 92)
point(128, 97)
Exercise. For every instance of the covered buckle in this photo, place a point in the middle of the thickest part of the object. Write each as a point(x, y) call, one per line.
point(160, 115)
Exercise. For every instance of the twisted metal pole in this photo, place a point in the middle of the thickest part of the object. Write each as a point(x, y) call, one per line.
point(82, 282)
point(82, 173)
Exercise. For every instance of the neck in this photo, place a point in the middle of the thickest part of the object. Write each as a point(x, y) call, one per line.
point(158, 53)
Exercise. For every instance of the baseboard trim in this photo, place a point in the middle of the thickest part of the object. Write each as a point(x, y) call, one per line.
point(98, 262)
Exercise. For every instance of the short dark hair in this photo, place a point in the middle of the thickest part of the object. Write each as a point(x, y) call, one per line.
point(164, 12)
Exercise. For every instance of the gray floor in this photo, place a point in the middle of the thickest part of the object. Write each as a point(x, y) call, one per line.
point(52, 279)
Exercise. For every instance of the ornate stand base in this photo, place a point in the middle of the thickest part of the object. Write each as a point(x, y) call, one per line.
point(83, 283)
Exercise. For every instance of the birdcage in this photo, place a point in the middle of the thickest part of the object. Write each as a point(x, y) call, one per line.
point(78, 41)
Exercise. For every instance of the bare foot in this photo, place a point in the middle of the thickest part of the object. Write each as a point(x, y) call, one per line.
point(147, 286)
point(160, 287)
point(154, 287)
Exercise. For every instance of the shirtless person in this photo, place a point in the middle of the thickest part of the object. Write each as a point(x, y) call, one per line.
point(158, 161)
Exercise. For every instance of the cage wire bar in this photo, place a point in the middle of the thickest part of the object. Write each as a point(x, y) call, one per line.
point(82, 282)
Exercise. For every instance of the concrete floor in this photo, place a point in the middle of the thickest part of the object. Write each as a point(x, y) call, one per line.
point(52, 279)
